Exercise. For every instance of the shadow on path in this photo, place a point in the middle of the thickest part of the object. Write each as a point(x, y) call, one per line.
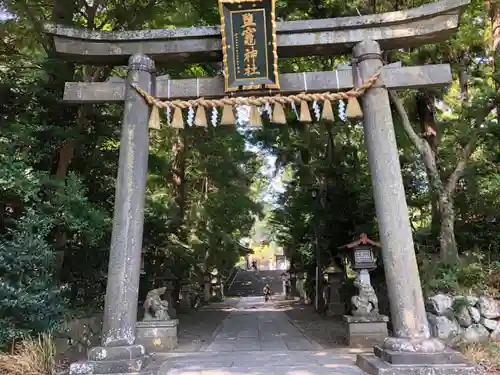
point(327, 331)
point(197, 327)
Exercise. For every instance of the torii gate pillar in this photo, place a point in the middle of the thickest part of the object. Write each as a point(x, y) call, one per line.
point(403, 280)
point(411, 350)
point(119, 352)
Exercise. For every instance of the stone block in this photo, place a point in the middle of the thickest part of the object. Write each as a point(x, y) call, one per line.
point(373, 365)
point(102, 353)
point(365, 331)
point(157, 336)
point(412, 358)
point(114, 360)
point(108, 367)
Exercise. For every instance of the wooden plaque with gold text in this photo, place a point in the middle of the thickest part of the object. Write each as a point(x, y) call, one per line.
point(249, 46)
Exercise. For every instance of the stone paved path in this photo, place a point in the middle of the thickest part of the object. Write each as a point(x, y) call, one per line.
point(327, 331)
point(257, 339)
point(257, 327)
point(196, 328)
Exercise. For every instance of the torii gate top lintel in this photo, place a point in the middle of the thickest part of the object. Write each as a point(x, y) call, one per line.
point(426, 24)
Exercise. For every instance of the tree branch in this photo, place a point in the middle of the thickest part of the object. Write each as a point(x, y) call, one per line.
point(142, 15)
point(427, 154)
point(37, 26)
point(468, 150)
point(410, 132)
point(422, 146)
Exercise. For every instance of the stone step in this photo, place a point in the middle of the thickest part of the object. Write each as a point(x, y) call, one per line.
point(261, 362)
point(274, 370)
point(109, 367)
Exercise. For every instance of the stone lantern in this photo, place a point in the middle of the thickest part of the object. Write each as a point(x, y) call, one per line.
point(216, 284)
point(285, 280)
point(293, 283)
point(336, 276)
point(365, 326)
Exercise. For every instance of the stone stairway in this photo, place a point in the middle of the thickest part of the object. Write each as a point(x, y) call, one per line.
point(251, 283)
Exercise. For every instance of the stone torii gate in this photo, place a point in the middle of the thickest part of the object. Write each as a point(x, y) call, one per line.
point(411, 350)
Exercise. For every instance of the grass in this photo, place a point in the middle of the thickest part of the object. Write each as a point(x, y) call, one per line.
point(32, 356)
point(487, 355)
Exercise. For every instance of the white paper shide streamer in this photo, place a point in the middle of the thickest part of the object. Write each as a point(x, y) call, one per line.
point(190, 117)
point(268, 109)
point(316, 110)
point(169, 114)
point(215, 114)
point(342, 110)
point(294, 108)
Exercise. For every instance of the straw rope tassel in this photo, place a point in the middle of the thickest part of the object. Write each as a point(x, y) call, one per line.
point(327, 113)
point(228, 117)
point(201, 117)
point(279, 116)
point(353, 110)
point(154, 118)
point(177, 120)
point(305, 114)
point(255, 120)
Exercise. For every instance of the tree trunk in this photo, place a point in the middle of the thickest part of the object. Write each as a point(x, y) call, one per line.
point(495, 25)
point(435, 216)
point(429, 133)
point(207, 290)
point(447, 242)
point(178, 175)
point(443, 205)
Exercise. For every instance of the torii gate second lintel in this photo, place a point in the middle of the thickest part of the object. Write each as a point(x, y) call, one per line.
point(393, 77)
point(412, 348)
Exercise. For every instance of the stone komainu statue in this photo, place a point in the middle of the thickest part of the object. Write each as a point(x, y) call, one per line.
point(366, 302)
point(156, 308)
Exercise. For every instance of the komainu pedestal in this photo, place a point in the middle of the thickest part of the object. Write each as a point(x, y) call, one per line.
point(365, 331)
point(157, 336)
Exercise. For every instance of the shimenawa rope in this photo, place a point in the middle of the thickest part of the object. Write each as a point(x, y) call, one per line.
point(219, 103)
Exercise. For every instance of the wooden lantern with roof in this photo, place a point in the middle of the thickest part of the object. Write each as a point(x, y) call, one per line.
point(362, 253)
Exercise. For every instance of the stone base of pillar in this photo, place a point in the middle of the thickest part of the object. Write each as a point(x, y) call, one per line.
point(157, 336)
point(387, 362)
point(365, 331)
point(112, 360)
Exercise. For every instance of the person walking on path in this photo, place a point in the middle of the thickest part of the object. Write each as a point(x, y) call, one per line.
point(267, 292)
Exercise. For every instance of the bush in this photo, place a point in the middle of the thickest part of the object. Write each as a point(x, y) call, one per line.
point(494, 279)
point(472, 275)
point(30, 303)
point(33, 356)
point(487, 355)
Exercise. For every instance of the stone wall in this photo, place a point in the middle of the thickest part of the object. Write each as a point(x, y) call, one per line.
point(77, 336)
point(467, 319)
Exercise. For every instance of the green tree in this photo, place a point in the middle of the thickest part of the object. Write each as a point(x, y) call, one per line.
point(30, 300)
